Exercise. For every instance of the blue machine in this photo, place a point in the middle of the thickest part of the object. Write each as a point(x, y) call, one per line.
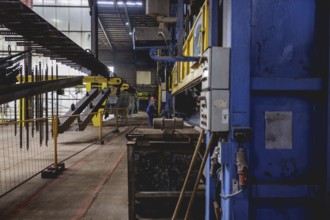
point(275, 155)
point(279, 90)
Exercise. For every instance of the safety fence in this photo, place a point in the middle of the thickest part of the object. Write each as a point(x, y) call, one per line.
point(26, 148)
point(29, 147)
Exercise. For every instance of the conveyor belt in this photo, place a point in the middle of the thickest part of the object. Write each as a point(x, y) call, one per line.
point(67, 120)
point(94, 107)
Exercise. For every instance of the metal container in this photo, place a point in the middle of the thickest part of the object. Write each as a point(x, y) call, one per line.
point(157, 166)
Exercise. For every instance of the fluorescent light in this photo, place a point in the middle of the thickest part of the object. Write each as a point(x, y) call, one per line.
point(56, 20)
point(134, 3)
point(105, 3)
point(130, 33)
point(119, 3)
point(127, 23)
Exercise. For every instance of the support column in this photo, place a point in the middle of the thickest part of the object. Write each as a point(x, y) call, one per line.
point(210, 196)
point(213, 40)
point(94, 31)
point(239, 12)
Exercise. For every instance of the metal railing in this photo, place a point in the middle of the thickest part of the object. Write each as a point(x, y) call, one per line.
point(29, 147)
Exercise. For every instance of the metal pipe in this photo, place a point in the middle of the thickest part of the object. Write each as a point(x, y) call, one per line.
point(165, 123)
point(162, 19)
point(20, 116)
point(180, 57)
point(26, 109)
point(32, 105)
point(46, 107)
point(56, 72)
point(15, 116)
point(55, 135)
point(36, 99)
point(200, 172)
point(52, 95)
point(193, 159)
point(40, 108)
point(100, 125)
point(172, 59)
point(179, 27)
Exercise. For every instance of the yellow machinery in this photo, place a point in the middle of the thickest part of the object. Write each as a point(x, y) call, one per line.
point(185, 74)
point(102, 83)
point(89, 82)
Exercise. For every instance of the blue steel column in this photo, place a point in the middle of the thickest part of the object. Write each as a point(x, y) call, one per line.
point(237, 207)
point(210, 187)
point(213, 41)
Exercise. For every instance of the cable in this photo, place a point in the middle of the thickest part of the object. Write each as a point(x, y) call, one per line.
point(161, 33)
point(231, 195)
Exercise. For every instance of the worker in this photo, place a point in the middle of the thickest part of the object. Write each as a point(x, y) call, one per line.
point(151, 111)
point(73, 107)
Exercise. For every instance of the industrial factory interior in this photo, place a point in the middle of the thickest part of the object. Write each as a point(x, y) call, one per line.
point(164, 109)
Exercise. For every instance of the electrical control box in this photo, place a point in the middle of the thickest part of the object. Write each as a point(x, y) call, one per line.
point(216, 68)
point(214, 110)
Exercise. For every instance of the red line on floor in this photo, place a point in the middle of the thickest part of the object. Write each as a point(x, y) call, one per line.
point(93, 195)
point(47, 186)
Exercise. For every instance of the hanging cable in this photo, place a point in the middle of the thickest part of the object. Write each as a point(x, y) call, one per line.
point(231, 195)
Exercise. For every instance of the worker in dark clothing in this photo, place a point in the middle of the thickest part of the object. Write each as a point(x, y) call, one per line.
point(73, 107)
point(151, 111)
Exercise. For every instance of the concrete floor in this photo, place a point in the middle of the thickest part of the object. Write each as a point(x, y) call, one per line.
point(93, 186)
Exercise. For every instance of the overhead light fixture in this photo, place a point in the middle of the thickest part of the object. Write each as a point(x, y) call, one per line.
point(120, 3)
point(105, 3)
point(127, 23)
point(130, 33)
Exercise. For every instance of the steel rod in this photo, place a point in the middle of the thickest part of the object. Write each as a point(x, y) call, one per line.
point(36, 99)
point(46, 108)
point(40, 108)
point(52, 94)
point(32, 105)
point(201, 169)
point(15, 117)
point(193, 159)
point(26, 109)
point(56, 92)
point(20, 117)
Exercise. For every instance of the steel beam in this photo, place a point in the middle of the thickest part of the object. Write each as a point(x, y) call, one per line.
point(30, 89)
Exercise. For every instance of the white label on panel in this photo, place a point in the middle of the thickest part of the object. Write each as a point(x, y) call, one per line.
point(225, 116)
point(278, 132)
